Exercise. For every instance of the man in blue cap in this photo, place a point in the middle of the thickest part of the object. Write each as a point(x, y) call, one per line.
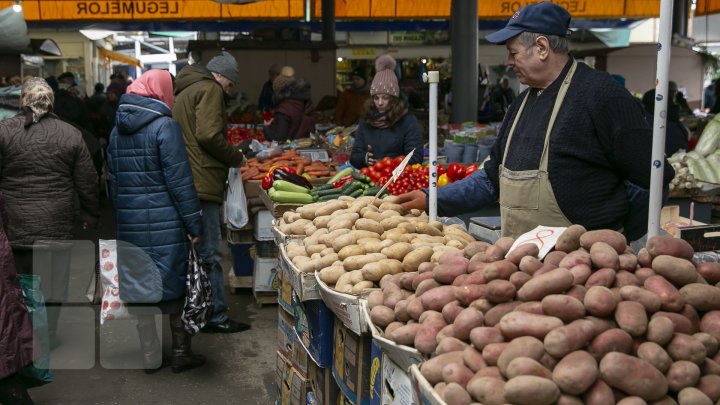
point(573, 148)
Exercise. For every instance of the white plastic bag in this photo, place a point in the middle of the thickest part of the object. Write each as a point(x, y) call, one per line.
point(112, 306)
point(236, 213)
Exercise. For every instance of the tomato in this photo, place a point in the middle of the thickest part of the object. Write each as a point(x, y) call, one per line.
point(365, 170)
point(398, 160)
point(443, 180)
point(441, 170)
point(456, 171)
point(386, 171)
point(471, 169)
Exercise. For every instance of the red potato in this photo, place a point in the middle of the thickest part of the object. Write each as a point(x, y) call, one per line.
point(568, 400)
point(709, 271)
point(530, 265)
point(526, 249)
point(468, 293)
point(436, 298)
point(710, 343)
point(686, 347)
point(482, 305)
point(531, 390)
point(516, 324)
point(518, 279)
point(546, 268)
point(554, 258)
point(702, 297)
point(477, 277)
point(682, 374)
point(654, 354)
point(494, 253)
point(493, 316)
point(401, 313)
point(601, 324)
point(569, 240)
point(454, 257)
point(440, 388)
point(693, 396)
point(647, 299)
point(426, 285)
point(667, 245)
point(533, 307)
point(487, 390)
point(691, 315)
point(574, 259)
point(524, 346)
point(643, 273)
point(446, 273)
point(492, 351)
point(565, 307)
point(599, 301)
point(489, 371)
point(405, 335)
point(599, 394)
point(603, 277)
point(660, 330)
point(633, 376)
point(710, 323)
point(581, 273)
point(677, 271)
point(612, 340)
point(460, 280)
point(415, 308)
point(526, 366)
point(710, 366)
point(467, 320)
point(553, 282)
point(669, 295)
point(499, 270)
point(681, 324)
point(624, 278)
point(375, 298)
point(474, 248)
point(426, 267)
point(631, 317)
point(451, 311)
point(447, 331)
point(577, 292)
point(483, 336)
point(628, 262)
point(499, 291)
point(548, 361)
point(407, 279)
point(456, 373)
point(420, 278)
point(576, 372)
point(565, 339)
point(432, 369)
point(455, 394)
point(664, 401)
point(426, 339)
point(710, 386)
point(603, 255)
point(612, 238)
point(473, 359)
point(477, 264)
point(632, 401)
point(382, 316)
point(644, 258)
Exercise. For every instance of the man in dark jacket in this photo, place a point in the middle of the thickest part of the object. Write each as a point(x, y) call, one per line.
point(46, 166)
point(293, 115)
point(571, 145)
point(200, 110)
point(265, 101)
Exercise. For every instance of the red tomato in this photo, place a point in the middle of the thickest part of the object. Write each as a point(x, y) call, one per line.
point(365, 170)
point(470, 169)
point(456, 171)
point(386, 171)
point(441, 170)
point(398, 160)
point(379, 165)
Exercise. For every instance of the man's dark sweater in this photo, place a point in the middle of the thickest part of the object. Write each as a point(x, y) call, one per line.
point(600, 138)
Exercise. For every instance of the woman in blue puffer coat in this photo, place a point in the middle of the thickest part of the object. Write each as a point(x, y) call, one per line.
point(158, 213)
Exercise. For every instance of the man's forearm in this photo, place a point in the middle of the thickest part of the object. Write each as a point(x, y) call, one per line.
point(466, 195)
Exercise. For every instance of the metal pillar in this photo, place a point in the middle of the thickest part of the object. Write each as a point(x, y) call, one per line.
point(328, 21)
point(464, 42)
point(680, 17)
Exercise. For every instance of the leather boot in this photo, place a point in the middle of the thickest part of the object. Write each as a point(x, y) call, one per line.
point(150, 344)
point(182, 356)
point(14, 392)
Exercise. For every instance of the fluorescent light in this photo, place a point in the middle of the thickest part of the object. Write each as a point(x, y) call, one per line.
point(339, 59)
point(17, 7)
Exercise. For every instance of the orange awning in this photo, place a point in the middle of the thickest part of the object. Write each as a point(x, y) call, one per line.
point(119, 57)
point(705, 7)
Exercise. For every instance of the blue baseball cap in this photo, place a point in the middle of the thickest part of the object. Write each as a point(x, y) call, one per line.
point(541, 18)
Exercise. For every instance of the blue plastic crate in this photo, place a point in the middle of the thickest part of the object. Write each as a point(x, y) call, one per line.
point(242, 260)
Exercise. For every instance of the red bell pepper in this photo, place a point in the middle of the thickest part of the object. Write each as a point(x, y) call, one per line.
point(456, 171)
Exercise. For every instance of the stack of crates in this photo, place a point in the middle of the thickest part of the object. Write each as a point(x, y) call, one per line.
point(266, 266)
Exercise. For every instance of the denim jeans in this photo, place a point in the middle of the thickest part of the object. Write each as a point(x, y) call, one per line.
point(210, 252)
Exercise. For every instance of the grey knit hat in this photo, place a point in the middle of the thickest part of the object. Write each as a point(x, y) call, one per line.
point(385, 80)
point(226, 65)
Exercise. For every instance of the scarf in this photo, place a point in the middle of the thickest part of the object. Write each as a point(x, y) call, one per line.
point(379, 119)
point(156, 84)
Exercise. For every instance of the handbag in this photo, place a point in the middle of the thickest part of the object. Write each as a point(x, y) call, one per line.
point(199, 298)
point(38, 373)
point(235, 207)
point(94, 291)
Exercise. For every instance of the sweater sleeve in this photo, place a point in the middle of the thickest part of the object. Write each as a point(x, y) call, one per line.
point(86, 180)
point(359, 148)
point(278, 130)
point(466, 195)
point(412, 139)
point(210, 128)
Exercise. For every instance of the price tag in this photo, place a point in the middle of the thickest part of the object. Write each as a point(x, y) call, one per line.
point(545, 237)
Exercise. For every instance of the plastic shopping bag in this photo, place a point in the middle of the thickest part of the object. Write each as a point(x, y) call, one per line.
point(112, 306)
point(236, 213)
point(199, 299)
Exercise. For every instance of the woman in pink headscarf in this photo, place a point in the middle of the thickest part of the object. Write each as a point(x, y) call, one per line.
point(157, 211)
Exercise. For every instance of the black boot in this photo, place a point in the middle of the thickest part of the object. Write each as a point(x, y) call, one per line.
point(182, 356)
point(14, 392)
point(150, 344)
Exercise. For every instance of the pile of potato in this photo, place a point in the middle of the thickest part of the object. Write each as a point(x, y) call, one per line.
point(353, 243)
point(592, 323)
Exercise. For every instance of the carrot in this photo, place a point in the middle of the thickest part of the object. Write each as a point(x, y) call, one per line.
point(299, 169)
point(259, 176)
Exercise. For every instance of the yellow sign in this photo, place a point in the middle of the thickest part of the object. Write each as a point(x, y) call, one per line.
point(363, 52)
point(705, 7)
point(130, 10)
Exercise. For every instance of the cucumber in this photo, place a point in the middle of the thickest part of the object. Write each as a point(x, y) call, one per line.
point(360, 177)
point(323, 187)
point(372, 190)
point(332, 191)
point(289, 197)
point(339, 175)
point(353, 187)
point(357, 193)
point(329, 197)
point(282, 185)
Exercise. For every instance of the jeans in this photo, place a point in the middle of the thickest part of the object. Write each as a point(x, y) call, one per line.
point(210, 252)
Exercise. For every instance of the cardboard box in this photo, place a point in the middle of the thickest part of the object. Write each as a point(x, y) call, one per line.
point(265, 274)
point(286, 333)
point(314, 329)
point(351, 365)
point(285, 293)
point(323, 386)
point(252, 188)
point(389, 383)
point(292, 386)
point(263, 222)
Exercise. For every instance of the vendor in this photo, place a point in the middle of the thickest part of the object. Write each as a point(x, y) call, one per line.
point(387, 129)
point(294, 112)
point(351, 101)
point(574, 147)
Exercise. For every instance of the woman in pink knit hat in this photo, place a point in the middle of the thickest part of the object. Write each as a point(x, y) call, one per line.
point(386, 130)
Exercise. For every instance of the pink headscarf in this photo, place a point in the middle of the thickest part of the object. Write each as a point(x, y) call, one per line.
point(154, 83)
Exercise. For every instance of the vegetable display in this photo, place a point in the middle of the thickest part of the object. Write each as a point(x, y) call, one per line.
point(255, 170)
point(591, 323)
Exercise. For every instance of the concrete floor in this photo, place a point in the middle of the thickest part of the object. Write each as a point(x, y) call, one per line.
point(100, 365)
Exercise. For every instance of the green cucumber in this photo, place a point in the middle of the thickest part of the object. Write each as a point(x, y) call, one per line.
point(328, 197)
point(339, 175)
point(356, 193)
point(360, 177)
point(323, 187)
point(353, 187)
point(333, 191)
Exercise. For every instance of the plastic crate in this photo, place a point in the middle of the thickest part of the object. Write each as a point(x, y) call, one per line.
point(242, 259)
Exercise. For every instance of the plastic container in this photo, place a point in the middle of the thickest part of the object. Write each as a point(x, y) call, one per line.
point(483, 152)
point(470, 153)
point(454, 152)
point(243, 262)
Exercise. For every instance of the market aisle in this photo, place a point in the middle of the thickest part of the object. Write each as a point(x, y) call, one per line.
point(240, 367)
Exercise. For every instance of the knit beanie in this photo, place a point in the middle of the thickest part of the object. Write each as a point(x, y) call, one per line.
point(385, 80)
point(226, 65)
point(284, 79)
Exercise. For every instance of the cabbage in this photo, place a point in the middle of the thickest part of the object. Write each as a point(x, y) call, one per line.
point(709, 139)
